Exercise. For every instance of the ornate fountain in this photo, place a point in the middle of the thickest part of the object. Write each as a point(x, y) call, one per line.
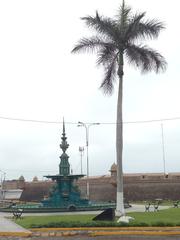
point(65, 193)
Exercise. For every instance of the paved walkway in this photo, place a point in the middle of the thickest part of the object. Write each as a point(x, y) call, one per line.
point(141, 208)
point(9, 228)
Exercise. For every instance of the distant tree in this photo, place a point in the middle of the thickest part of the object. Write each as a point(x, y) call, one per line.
point(115, 40)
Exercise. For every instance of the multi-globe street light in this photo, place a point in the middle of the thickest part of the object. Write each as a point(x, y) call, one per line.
point(81, 150)
point(87, 126)
point(3, 176)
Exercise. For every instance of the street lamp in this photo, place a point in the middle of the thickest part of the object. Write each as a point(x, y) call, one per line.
point(81, 150)
point(2, 184)
point(87, 126)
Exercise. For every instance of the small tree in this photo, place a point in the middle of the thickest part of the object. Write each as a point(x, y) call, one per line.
point(115, 40)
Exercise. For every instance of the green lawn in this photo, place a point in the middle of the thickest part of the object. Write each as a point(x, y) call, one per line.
point(171, 215)
point(168, 217)
point(28, 222)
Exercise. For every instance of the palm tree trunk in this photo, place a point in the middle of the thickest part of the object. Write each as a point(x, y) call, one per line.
point(119, 144)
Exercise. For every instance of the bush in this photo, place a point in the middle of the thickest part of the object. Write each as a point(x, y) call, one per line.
point(76, 224)
point(138, 224)
point(163, 224)
point(88, 224)
point(72, 224)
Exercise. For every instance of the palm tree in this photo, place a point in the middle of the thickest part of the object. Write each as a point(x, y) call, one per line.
point(117, 39)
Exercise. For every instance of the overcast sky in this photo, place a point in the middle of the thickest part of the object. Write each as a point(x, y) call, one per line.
point(40, 79)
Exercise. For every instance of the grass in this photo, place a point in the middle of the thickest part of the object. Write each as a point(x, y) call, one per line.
point(168, 217)
point(30, 221)
point(171, 216)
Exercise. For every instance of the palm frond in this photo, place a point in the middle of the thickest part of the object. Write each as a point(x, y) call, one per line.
point(106, 54)
point(103, 25)
point(88, 44)
point(123, 16)
point(139, 29)
point(133, 25)
point(145, 58)
point(118, 36)
point(110, 73)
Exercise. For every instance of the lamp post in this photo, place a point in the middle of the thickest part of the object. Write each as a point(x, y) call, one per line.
point(87, 126)
point(81, 150)
point(2, 184)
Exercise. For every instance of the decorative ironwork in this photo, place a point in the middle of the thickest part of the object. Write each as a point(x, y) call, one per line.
point(65, 193)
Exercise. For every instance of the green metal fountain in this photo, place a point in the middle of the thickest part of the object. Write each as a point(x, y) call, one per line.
point(65, 193)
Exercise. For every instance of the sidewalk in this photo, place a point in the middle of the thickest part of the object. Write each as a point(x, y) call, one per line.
point(141, 208)
point(9, 228)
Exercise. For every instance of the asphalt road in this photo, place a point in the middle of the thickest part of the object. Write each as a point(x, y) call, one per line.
point(113, 238)
point(95, 238)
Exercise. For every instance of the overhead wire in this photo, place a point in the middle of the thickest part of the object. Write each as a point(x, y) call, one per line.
point(75, 123)
point(103, 123)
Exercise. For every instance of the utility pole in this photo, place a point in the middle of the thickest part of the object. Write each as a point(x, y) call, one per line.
point(163, 148)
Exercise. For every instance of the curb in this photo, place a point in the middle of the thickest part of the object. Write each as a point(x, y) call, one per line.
point(152, 233)
point(15, 234)
point(95, 231)
point(104, 228)
point(56, 233)
point(149, 231)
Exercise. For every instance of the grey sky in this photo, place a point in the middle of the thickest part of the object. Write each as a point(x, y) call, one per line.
point(40, 79)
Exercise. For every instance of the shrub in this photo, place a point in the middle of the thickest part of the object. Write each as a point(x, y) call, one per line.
point(163, 224)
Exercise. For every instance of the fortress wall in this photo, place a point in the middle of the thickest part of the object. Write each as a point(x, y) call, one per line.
point(100, 188)
point(150, 190)
point(36, 191)
point(103, 188)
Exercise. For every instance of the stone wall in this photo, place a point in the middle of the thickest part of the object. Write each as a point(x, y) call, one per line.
point(152, 186)
point(36, 191)
point(103, 188)
point(100, 188)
